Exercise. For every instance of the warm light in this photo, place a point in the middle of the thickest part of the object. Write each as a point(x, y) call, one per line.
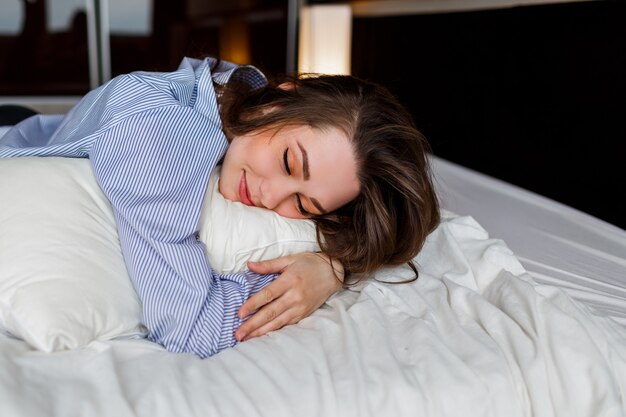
point(235, 41)
point(325, 38)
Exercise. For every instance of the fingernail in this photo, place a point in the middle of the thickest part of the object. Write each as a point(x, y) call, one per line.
point(243, 314)
point(239, 336)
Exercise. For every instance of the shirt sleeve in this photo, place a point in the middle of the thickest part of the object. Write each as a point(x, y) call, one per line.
point(153, 140)
point(154, 167)
point(32, 132)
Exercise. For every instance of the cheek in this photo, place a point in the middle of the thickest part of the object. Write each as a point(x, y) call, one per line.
point(229, 175)
point(249, 153)
point(340, 192)
point(225, 188)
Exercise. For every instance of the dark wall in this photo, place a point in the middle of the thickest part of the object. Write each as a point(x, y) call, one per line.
point(534, 95)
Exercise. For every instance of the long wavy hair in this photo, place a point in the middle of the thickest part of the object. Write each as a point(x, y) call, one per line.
point(397, 207)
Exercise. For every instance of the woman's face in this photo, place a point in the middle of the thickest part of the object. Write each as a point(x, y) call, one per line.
point(296, 171)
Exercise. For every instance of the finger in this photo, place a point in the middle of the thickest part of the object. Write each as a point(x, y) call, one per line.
point(265, 315)
point(277, 323)
point(268, 327)
point(272, 291)
point(270, 266)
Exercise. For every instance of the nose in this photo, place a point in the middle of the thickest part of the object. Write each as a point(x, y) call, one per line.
point(275, 193)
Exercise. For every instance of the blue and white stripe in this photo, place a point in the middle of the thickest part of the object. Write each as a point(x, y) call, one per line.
point(153, 140)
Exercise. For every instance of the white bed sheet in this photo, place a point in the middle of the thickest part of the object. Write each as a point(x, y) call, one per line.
point(555, 243)
point(476, 335)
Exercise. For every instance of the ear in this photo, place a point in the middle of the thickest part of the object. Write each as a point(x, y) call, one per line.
point(288, 85)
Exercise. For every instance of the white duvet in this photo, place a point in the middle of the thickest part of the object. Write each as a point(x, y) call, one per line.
point(473, 336)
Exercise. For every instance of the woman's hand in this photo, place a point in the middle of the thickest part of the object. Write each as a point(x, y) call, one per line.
point(306, 281)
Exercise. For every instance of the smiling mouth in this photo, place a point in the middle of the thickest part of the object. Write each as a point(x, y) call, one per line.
point(244, 193)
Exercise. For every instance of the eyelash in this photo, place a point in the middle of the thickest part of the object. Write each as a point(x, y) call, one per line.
point(286, 162)
point(301, 208)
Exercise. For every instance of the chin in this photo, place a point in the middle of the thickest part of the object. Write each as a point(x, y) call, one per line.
point(222, 189)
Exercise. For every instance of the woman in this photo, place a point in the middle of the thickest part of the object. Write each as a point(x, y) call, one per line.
point(335, 149)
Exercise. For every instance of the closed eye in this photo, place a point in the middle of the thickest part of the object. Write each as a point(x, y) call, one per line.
point(286, 162)
point(301, 208)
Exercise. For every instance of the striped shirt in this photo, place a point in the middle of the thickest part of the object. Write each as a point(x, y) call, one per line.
point(153, 140)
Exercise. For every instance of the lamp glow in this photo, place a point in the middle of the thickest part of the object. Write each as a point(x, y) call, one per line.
point(325, 39)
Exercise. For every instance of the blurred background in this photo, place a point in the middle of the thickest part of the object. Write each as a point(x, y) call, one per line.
point(529, 91)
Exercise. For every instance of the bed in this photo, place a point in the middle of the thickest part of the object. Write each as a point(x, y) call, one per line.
point(520, 310)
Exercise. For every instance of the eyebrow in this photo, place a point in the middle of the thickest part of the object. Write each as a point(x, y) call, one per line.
point(305, 162)
point(318, 205)
point(307, 174)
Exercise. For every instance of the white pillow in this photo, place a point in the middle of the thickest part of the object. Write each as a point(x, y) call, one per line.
point(63, 281)
point(234, 233)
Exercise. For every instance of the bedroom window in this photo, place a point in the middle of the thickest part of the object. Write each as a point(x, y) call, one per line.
point(43, 47)
point(52, 48)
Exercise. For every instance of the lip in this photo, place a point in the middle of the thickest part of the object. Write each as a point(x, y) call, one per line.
point(244, 193)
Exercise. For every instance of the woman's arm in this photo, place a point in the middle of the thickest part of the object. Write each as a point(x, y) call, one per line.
point(154, 168)
point(306, 281)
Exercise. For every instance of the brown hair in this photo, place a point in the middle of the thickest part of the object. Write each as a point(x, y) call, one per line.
point(397, 207)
